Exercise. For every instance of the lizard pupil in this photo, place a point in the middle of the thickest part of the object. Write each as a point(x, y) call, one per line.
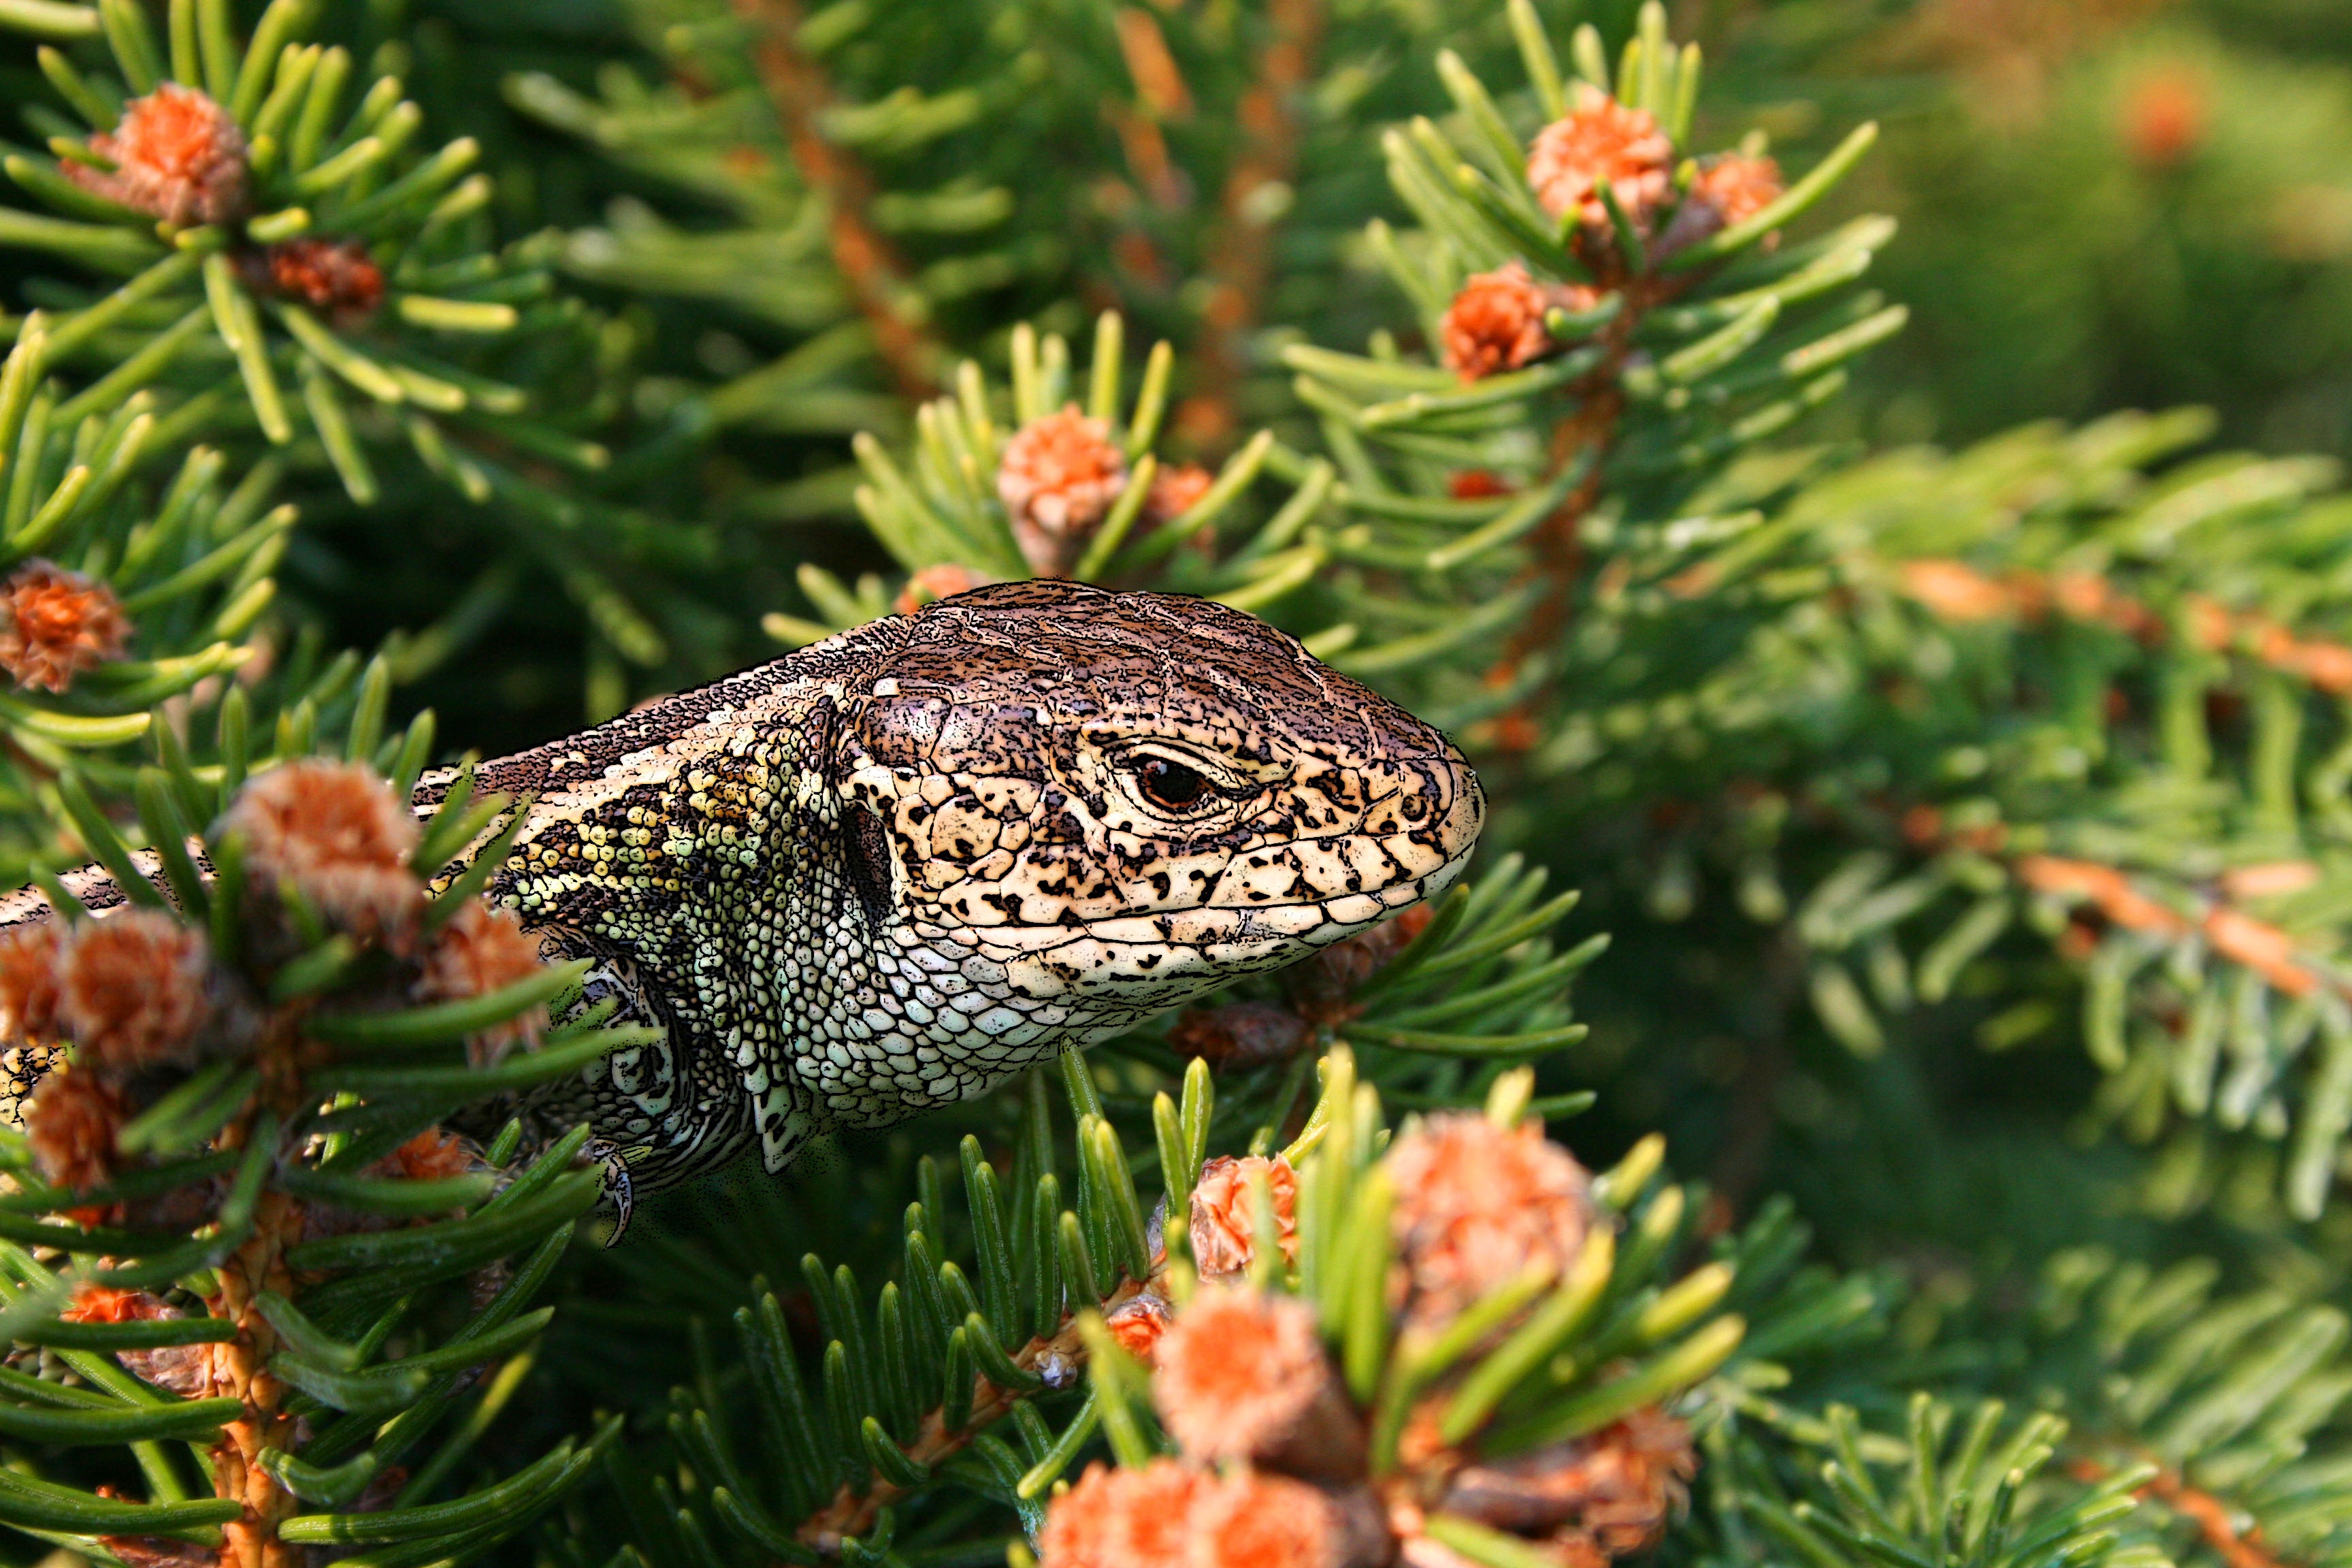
point(1172, 784)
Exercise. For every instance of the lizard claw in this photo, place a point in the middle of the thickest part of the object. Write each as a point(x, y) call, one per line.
point(617, 1187)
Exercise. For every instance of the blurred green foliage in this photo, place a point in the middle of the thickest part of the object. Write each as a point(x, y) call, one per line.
point(2116, 204)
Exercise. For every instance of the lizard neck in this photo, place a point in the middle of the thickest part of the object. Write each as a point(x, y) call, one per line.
point(725, 895)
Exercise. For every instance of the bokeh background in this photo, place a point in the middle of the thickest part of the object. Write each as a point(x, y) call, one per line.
point(2106, 204)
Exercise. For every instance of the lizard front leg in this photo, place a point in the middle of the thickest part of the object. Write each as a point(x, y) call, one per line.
point(659, 1110)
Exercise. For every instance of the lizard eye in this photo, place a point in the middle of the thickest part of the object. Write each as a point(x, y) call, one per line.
point(1170, 783)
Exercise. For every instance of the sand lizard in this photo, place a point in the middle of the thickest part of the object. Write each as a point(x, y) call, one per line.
point(895, 868)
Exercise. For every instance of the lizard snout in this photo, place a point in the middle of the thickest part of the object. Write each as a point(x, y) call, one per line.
point(1424, 802)
point(1428, 812)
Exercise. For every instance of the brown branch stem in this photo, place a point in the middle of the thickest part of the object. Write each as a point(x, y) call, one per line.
point(875, 276)
point(239, 1368)
point(1586, 435)
point(2214, 1518)
point(853, 1513)
point(1958, 592)
point(1240, 251)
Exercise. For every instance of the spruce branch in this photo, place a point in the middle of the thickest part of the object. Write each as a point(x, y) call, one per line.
point(2237, 1546)
point(1240, 256)
point(1967, 1484)
point(1463, 1349)
point(2197, 1426)
point(1589, 378)
point(1008, 483)
point(2205, 980)
point(1960, 594)
point(208, 1201)
point(165, 628)
point(273, 230)
point(868, 265)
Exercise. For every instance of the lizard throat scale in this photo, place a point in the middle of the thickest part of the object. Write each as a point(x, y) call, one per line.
point(897, 867)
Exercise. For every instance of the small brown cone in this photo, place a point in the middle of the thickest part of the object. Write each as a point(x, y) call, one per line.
point(184, 1370)
point(1243, 1375)
point(942, 582)
point(134, 990)
point(1728, 189)
point(177, 156)
point(1476, 1205)
point(30, 958)
point(1058, 479)
point(1224, 1213)
point(55, 623)
point(1601, 142)
point(1240, 1034)
point(337, 278)
point(1596, 1498)
point(340, 838)
point(1496, 323)
point(479, 950)
point(1138, 1324)
point(1122, 1518)
point(72, 1118)
point(1248, 1520)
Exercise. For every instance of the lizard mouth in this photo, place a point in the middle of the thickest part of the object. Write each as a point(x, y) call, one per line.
point(1157, 959)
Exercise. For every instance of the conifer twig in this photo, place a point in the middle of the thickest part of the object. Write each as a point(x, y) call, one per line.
point(1161, 94)
point(1241, 253)
point(853, 1513)
point(1585, 436)
point(2214, 1519)
point(238, 1369)
point(2266, 949)
point(1956, 591)
point(871, 269)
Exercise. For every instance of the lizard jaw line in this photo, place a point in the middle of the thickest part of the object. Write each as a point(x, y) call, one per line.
point(1216, 931)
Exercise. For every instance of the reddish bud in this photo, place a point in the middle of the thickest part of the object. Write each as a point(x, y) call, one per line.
point(55, 623)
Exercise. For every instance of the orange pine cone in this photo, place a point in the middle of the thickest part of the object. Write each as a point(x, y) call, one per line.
point(177, 156)
point(55, 623)
point(1597, 141)
point(341, 836)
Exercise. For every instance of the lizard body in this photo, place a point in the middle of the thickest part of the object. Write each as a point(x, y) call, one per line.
point(893, 869)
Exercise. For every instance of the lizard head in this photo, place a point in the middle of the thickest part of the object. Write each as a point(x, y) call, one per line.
point(1123, 800)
